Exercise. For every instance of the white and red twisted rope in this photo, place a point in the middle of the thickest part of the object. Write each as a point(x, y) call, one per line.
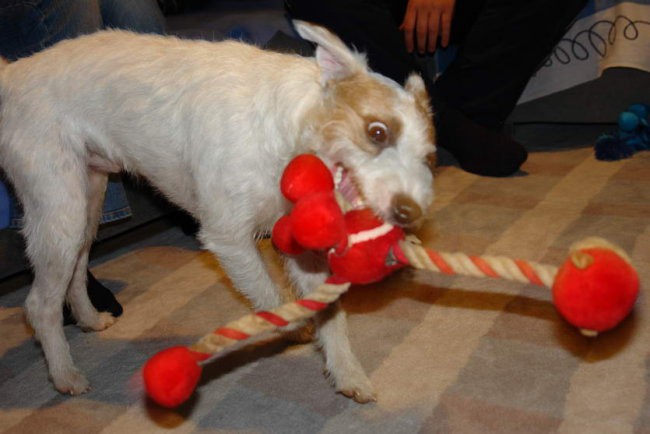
point(418, 256)
point(171, 375)
point(266, 321)
point(502, 267)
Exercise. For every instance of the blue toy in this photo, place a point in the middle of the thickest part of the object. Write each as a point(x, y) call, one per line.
point(633, 135)
point(5, 206)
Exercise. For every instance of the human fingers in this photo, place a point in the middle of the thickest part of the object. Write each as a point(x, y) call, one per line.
point(426, 30)
point(445, 27)
point(408, 27)
point(433, 29)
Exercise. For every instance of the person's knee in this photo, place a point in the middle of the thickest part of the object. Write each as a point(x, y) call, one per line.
point(27, 26)
point(318, 10)
point(143, 16)
point(558, 6)
point(579, 5)
point(21, 31)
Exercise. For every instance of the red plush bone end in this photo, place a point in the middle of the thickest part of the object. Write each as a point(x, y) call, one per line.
point(282, 237)
point(171, 376)
point(304, 175)
point(317, 221)
point(595, 289)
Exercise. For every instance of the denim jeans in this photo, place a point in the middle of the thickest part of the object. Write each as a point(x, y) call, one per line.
point(28, 26)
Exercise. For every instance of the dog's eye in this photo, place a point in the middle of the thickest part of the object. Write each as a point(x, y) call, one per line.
point(378, 132)
point(431, 160)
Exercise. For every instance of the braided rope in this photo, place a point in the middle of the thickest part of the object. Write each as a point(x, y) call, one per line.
point(265, 321)
point(418, 257)
point(477, 266)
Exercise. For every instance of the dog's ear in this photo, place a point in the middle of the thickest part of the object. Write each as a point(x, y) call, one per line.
point(415, 85)
point(334, 58)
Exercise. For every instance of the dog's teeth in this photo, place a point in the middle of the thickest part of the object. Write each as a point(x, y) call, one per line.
point(347, 189)
point(338, 176)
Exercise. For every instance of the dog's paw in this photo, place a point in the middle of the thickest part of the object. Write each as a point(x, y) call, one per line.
point(359, 389)
point(355, 384)
point(73, 382)
point(101, 321)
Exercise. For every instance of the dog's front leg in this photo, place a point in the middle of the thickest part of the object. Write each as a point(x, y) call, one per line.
point(241, 260)
point(307, 272)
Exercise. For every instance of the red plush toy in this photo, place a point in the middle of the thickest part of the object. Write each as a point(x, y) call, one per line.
point(594, 290)
point(361, 248)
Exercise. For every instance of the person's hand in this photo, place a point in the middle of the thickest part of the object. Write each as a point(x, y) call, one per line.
point(425, 21)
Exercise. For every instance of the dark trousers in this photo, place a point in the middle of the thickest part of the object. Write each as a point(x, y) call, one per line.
point(500, 44)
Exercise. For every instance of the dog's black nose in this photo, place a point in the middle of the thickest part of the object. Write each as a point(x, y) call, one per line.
point(405, 210)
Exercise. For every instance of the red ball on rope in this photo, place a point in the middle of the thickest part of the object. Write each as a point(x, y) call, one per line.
point(595, 289)
point(171, 375)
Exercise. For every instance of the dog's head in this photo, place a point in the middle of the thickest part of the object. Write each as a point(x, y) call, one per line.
point(376, 134)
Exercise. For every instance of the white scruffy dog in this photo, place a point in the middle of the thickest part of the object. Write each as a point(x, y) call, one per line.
point(212, 126)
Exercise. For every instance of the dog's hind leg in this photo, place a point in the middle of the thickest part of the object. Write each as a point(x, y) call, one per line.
point(54, 198)
point(307, 272)
point(87, 316)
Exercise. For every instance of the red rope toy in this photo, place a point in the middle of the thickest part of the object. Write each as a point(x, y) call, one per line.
point(594, 290)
